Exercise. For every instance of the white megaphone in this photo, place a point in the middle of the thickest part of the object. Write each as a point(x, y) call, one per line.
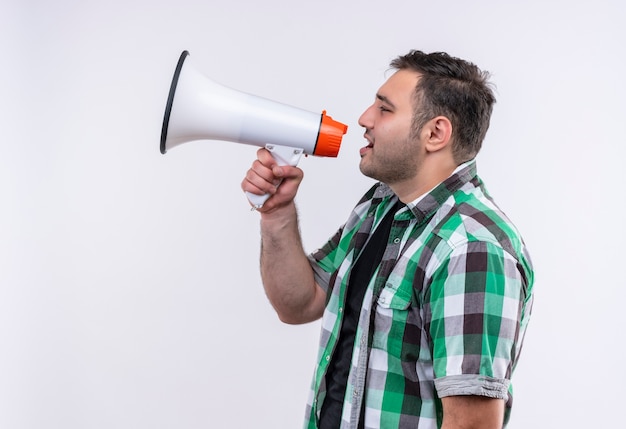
point(200, 109)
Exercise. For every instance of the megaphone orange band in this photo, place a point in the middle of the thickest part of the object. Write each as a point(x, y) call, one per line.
point(330, 135)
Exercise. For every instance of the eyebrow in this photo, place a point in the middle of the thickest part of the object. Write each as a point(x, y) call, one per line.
point(385, 100)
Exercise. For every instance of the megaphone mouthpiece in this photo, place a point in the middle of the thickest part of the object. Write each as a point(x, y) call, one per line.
point(330, 135)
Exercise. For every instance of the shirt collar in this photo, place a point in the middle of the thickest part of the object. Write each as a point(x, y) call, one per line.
point(424, 206)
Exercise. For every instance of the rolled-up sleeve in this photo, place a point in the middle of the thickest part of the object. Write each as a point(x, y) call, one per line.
point(475, 312)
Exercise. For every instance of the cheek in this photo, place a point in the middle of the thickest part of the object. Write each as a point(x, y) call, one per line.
point(389, 128)
point(392, 131)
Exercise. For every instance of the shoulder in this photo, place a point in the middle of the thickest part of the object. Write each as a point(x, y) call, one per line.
point(470, 215)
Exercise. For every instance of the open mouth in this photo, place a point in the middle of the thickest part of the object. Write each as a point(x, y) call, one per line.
point(369, 146)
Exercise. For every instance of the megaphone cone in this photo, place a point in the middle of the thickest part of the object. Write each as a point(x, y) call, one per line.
point(200, 109)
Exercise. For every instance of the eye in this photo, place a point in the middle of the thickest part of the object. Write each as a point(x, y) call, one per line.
point(383, 108)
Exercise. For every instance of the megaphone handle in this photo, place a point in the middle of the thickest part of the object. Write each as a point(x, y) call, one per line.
point(283, 155)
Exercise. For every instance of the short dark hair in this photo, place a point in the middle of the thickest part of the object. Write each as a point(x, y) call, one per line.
point(456, 89)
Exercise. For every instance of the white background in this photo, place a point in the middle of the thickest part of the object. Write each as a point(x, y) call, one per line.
point(129, 286)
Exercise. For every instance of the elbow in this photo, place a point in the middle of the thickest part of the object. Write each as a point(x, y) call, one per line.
point(292, 319)
point(289, 320)
point(300, 318)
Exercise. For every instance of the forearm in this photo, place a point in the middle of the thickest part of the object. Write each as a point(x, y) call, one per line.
point(287, 275)
point(472, 412)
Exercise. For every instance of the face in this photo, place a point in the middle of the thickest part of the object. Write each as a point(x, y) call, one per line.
point(393, 153)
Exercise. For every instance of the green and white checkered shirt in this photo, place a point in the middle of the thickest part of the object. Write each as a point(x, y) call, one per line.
point(444, 314)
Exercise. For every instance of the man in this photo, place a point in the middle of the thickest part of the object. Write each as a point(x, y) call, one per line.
point(426, 291)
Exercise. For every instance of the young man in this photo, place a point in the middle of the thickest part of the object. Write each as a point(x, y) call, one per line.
point(425, 292)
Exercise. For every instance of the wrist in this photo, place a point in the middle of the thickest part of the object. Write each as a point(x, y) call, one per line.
point(278, 217)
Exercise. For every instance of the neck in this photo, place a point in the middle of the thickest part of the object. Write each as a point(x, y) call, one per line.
point(432, 172)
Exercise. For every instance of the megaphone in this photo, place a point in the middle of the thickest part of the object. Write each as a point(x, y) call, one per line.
point(201, 109)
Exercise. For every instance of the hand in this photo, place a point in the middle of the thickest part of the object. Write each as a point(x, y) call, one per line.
point(267, 177)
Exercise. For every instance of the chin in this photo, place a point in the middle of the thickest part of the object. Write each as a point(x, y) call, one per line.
point(367, 172)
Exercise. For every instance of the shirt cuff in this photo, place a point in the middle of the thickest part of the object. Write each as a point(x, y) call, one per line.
point(322, 278)
point(472, 384)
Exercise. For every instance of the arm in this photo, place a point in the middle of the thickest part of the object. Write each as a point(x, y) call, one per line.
point(469, 412)
point(287, 275)
point(475, 335)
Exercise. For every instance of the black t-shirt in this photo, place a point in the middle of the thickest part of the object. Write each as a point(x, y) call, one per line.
point(339, 367)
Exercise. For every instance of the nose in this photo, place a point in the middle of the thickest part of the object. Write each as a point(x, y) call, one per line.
point(366, 118)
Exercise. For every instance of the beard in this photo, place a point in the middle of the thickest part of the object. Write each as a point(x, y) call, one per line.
point(392, 162)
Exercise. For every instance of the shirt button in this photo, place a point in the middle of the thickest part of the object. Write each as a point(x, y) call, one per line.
point(327, 358)
point(396, 240)
point(341, 309)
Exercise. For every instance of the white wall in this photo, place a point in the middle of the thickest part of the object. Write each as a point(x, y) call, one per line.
point(129, 287)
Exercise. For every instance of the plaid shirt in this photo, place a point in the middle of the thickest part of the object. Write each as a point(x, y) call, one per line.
point(444, 314)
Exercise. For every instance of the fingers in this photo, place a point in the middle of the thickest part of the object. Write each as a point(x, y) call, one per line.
point(261, 178)
point(266, 177)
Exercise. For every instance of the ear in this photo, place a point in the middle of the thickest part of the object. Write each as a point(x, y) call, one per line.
point(438, 134)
